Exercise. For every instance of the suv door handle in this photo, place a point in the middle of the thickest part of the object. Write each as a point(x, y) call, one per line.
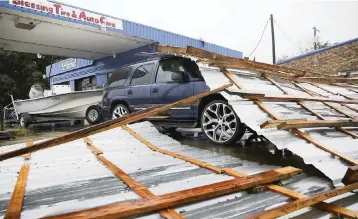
point(155, 90)
point(129, 92)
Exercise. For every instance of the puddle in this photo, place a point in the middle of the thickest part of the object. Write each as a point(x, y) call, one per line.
point(262, 151)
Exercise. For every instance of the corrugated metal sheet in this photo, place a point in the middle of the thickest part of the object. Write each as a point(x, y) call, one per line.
point(253, 116)
point(68, 177)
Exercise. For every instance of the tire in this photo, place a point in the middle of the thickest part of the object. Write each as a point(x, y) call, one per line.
point(220, 123)
point(119, 111)
point(94, 115)
point(24, 120)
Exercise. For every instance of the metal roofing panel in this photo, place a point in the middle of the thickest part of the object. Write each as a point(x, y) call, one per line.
point(253, 116)
point(79, 181)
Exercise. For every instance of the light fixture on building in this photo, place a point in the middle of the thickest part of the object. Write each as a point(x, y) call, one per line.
point(39, 56)
point(114, 55)
point(26, 23)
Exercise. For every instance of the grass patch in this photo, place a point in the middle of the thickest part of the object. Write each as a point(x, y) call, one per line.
point(20, 132)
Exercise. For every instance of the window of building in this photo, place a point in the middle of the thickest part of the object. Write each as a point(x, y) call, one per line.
point(143, 75)
point(166, 68)
point(119, 77)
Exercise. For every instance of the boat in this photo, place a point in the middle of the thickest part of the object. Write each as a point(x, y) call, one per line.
point(59, 103)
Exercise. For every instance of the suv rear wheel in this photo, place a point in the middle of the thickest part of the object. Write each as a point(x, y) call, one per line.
point(119, 111)
point(220, 123)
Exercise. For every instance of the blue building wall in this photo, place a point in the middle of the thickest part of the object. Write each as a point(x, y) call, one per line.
point(100, 68)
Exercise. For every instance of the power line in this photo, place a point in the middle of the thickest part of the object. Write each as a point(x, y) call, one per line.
point(260, 37)
point(289, 39)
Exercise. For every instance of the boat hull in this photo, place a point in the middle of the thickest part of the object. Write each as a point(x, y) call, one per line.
point(71, 105)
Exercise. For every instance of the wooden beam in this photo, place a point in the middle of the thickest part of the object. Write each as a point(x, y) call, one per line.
point(310, 92)
point(29, 144)
point(131, 208)
point(328, 80)
point(245, 66)
point(90, 146)
point(275, 123)
point(260, 96)
point(137, 187)
point(106, 125)
point(304, 202)
point(15, 205)
point(170, 49)
point(231, 77)
point(276, 84)
point(290, 124)
point(341, 111)
point(230, 60)
point(351, 175)
point(279, 189)
point(317, 144)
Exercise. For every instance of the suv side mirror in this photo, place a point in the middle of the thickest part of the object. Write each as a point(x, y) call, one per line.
point(178, 76)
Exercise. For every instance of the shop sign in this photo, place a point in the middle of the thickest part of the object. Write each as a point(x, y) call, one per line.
point(69, 64)
point(69, 12)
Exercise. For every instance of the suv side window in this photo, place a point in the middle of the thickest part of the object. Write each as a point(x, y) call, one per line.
point(143, 74)
point(119, 77)
point(166, 68)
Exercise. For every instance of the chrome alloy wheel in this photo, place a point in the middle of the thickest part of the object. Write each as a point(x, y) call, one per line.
point(119, 111)
point(219, 122)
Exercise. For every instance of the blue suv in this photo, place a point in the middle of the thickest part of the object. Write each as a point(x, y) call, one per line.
point(162, 80)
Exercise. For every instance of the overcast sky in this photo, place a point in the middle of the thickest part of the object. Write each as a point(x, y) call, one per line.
point(238, 24)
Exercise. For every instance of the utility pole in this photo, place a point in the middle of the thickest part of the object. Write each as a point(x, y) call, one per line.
point(315, 30)
point(273, 41)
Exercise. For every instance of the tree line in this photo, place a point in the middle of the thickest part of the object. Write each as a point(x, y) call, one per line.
point(19, 71)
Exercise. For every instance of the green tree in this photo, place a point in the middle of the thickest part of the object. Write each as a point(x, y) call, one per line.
point(18, 72)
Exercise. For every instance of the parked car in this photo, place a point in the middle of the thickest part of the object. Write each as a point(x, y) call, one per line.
point(165, 79)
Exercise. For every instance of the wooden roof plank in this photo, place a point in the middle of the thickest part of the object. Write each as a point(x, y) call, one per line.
point(276, 123)
point(15, 205)
point(260, 96)
point(289, 124)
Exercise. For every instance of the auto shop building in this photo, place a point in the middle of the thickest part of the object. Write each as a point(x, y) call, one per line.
point(98, 44)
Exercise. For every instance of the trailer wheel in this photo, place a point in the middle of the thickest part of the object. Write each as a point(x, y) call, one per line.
point(24, 120)
point(94, 115)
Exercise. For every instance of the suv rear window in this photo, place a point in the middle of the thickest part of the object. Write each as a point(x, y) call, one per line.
point(143, 75)
point(166, 68)
point(119, 77)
